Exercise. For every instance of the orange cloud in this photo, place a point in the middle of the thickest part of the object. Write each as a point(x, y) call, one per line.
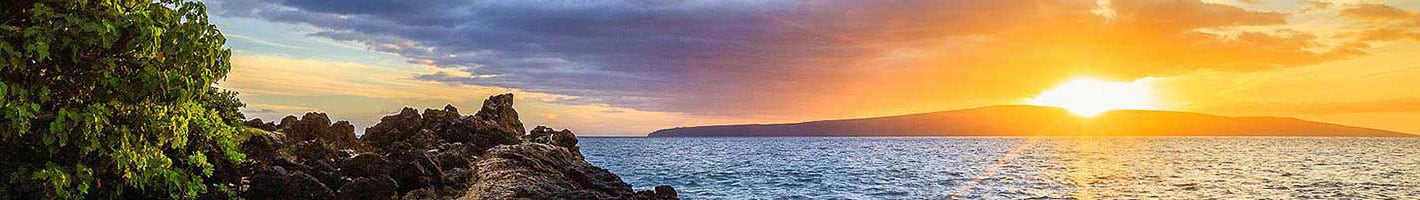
point(1378, 11)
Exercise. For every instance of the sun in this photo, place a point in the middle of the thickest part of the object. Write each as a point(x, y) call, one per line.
point(1088, 97)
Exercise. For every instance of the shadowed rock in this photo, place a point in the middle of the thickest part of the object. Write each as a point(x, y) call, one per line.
point(437, 154)
point(535, 170)
point(499, 110)
point(376, 187)
point(257, 123)
point(564, 138)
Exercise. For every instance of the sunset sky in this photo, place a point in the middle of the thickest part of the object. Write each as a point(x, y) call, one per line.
point(631, 67)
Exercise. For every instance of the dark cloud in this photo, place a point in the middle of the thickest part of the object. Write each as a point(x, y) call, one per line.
point(759, 57)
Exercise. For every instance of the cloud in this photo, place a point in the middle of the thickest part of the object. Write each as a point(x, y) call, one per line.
point(1404, 105)
point(1378, 11)
point(743, 58)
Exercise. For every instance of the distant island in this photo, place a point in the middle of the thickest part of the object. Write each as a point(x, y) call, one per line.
point(1023, 120)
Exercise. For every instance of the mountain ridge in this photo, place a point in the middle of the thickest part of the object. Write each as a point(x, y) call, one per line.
point(1027, 120)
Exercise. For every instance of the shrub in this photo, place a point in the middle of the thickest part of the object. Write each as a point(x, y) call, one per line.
point(112, 99)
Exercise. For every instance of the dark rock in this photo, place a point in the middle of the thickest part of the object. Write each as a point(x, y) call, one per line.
point(564, 138)
point(453, 159)
point(415, 170)
point(311, 126)
point(262, 147)
point(287, 122)
point(663, 192)
point(451, 109)
point(393, 128)
point(376, 187)
point(257, 123)
point(425, 139)
point(422, 194)
point(499, 109)
point(365, 165)
point(437, 154)
point(534, 170)
point(342, 133)
point(311, 149)
point(317, 126)
point(458, 177)
point(279, 183)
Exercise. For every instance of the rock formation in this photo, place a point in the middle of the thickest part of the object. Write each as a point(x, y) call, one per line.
point(437, 154)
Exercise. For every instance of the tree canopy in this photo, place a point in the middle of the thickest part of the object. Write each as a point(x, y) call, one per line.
point(113, 99)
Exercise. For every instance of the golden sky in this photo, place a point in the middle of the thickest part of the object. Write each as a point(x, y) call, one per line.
point(628, 68)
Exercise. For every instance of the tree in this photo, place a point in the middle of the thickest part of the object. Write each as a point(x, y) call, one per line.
point(112, 99)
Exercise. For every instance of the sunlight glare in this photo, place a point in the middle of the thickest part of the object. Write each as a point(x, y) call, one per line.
point(1089, 97)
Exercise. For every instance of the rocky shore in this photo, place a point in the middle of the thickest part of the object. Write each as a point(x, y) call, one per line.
point(434, 154)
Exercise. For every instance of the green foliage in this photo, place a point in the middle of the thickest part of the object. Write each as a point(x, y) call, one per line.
point(112, 99)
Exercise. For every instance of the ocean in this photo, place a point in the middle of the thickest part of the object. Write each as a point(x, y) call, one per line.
point(1016, 167)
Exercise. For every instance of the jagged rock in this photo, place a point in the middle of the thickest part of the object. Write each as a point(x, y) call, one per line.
point(458, 177)
point(453, 159)
point(365, 165)
point(257, 123)
point(309, 127)
point(279, 183)
point(663, 192)
point(479, 135)
point(262, 147)
point(311, 149)
point(393, 128)
point(317, 126)
point(414, 170)
point(422, 194)
point(377, 187)
point(343, 133)
point(564, 138)
point(440, 119)
point(499, 110)
point(437, 154)
point(533, 170)
point(425, 139)
point(287, 122)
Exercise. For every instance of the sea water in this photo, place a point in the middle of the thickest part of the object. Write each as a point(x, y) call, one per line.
point(1016, 167)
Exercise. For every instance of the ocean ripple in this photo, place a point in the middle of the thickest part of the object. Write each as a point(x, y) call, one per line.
point(1016, 167)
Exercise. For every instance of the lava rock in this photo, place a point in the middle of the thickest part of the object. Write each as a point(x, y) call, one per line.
point(564, 138)
point(663, 192)
point(278, 183)
point(499, 110)
point(257, 123)
point(393, 128)
point(534, 170)
point(365, 165)
point(414, 170)
point(376, 187)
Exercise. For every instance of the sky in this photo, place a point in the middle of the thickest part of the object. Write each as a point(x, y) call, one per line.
point(632, 67)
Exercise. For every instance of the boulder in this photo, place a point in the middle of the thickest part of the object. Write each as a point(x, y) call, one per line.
point(375, 187)
point(499, 110)
point(287, 122)
point(343, 133)
point(278, 183)
point(540, 171)
point(422, 194)
point(257, 123)
point(563, 138)
point(663, 192)
point(414, 170)
point(365, 165)
point(393, 128)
